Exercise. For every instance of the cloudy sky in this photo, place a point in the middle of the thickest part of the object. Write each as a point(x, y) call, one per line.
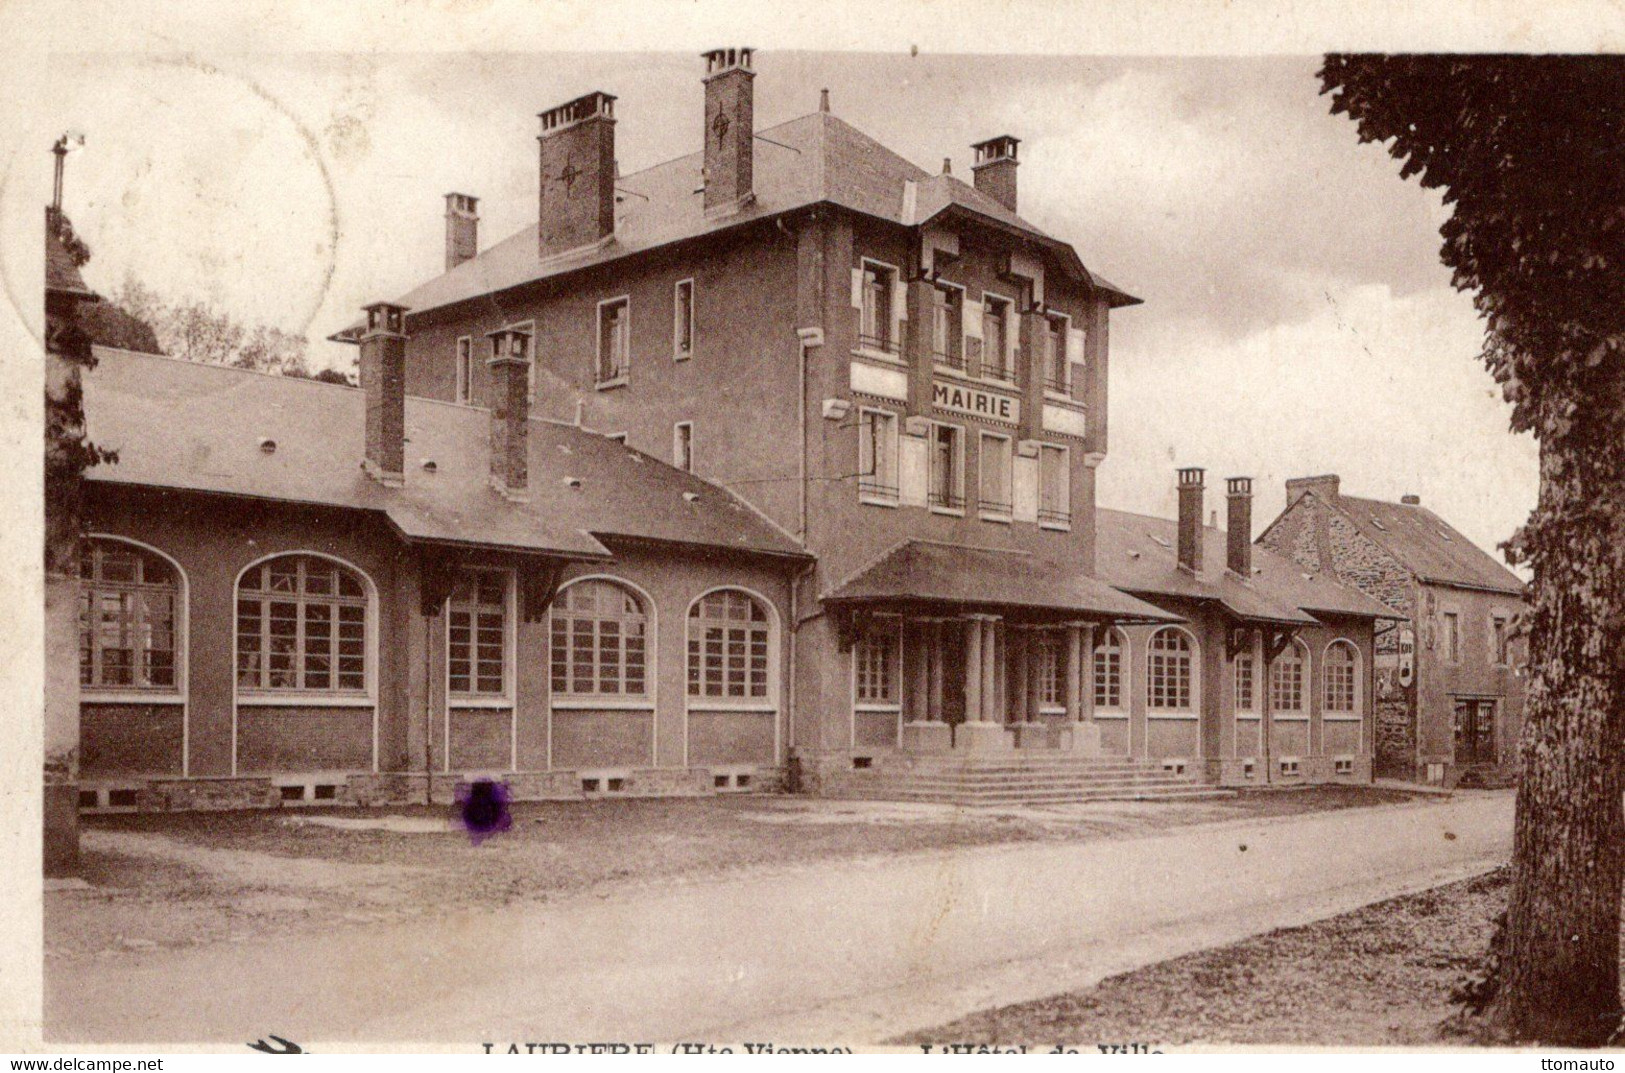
point(1296, 318)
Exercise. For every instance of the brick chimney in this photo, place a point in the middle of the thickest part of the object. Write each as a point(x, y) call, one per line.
point(1191, 491)
point(462, 228)
point(1239, 525)
point(383, 381)
point(577, 174)
point(510, 412)
point(1325, 486)
point(995, 169)
point(1411, 500)
point(730, 129)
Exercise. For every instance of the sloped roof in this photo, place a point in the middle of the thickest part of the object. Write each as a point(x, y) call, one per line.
point(929, 572)
point(110, 326)
point(1427, 545)
point(179, 424)
point(1138, 553)
point(814, 159)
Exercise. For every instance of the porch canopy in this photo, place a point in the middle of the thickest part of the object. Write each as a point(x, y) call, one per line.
point(925, 577)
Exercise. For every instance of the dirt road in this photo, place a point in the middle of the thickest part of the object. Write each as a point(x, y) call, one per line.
point(838, 953)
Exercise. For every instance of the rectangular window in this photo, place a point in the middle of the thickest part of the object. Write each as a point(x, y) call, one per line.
point(947, 487)
point(947, 335)
point(1054, 486)
point(877, 456)
point(876, 330)
point(996, 329)
point(477, 635)
point(682, 329)
point(1057, 370)
point(993, 476)
point(1109, 672)
point(1452, 636)
point(1245, 698)
point(614, 341)
point(1498, 641)
point(876, 665)
point(1051, 682)
point(465, 370)
point(682, 446)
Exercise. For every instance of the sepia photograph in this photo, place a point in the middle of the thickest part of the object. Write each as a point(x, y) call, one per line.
point(608, 540)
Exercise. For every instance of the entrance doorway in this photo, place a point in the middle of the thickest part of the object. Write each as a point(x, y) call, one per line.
point(1475, 732)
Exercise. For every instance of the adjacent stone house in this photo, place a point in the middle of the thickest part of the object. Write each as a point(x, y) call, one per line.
point(1450, 680)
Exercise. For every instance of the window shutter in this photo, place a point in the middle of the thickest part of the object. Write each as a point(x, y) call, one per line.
point(970, 316)
point(899, 300)
point(857, 288)
point(1074, 346)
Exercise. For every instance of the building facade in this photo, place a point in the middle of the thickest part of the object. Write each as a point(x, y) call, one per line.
point(1450, 682)
point(772, 464)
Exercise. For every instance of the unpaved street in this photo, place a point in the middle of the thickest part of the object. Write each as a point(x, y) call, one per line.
point(834, 952)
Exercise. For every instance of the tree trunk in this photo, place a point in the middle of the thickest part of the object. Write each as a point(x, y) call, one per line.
point(1559, 975)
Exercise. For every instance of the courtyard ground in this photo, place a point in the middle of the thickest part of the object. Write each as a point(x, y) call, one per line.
point(1380, 976)
point(196, 879)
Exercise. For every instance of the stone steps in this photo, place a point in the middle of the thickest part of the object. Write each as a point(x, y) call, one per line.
point(1020, 779)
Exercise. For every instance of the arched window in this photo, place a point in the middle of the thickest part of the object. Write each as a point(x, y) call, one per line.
point(302, 627)
point(600, 641)
point(1341, 674)
point(129, 606)
point(1109, 671)
point(1287, 676)
point(1168, 671)
point(728, 646)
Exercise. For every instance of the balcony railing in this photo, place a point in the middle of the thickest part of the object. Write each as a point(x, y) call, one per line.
point(873, 487)
point(990, 505)
point(946, 500)
point(1059, 385)
point(950, 361)
point(999, 373)
point(1052, 516)
point(880, 344)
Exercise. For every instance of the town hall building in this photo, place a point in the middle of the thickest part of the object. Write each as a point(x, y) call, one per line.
point(772, 465)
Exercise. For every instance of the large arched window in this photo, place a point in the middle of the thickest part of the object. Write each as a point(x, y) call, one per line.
point(1341, 673)
point(1169, 671)
point(729, 636)
point(1288, 674)
point(129, 615)
point(302, 627)
point(1109, 671)
point(600, 641)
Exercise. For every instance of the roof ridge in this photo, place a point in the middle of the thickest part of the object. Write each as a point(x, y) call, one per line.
point(238, 369)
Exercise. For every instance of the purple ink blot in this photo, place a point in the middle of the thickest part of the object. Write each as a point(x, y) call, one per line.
point(483, 808)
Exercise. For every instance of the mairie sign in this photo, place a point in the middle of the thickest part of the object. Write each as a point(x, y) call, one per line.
point(963, 399)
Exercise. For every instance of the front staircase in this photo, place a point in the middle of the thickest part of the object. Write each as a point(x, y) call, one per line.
point(1017, 778)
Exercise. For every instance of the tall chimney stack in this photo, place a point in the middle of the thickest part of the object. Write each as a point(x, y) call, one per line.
point(1190, 519)
point(995, 169)
point(462, 228)
point(383, 381)
point(510, 412)
point(730, 129)
point(577, 174)
point(1239, 525)
point(1325, 487)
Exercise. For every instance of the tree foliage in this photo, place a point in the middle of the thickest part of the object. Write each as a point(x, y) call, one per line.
point(1529, 153)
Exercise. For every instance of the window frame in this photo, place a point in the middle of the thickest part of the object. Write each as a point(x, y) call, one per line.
point(889, 348)
point(569, 699)
point(465, 370)
point(1058, 520)
point(1193, 667)
point(1355, 712)
point(1450, 628)
point(952, 361)
point(890, 627)
point(1247, 657)
point(286, 697)
point(954, 501)
point(995, 510)
point(1500, 639)
point(623, 375)
point(1056, 389)
point(1120, 710)
point(505, 698)
point(1007, 375)
point(681, 444)
point(874, 490)
point(1305, 686)
point(172, 694)
point(678, 353)
point(1051, 651)
point(702, 701)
